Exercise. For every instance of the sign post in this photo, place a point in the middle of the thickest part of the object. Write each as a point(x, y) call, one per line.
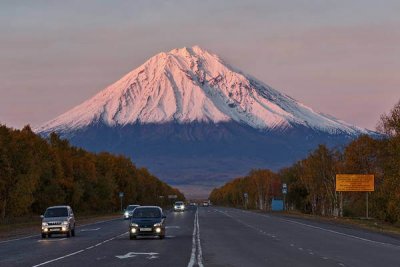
point(356, 183)
point(121, 195)
point(246, 197)
point(284, 192)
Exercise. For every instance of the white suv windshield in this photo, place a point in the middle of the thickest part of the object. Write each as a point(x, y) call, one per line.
point(56, 212)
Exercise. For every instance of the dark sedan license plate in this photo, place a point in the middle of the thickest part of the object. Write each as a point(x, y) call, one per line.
point(146, 229)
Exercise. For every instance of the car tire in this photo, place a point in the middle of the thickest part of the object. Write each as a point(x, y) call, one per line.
point(162, 236)
point(132, 237)
point(73, 232)
point(69, 233)
point(44, 235)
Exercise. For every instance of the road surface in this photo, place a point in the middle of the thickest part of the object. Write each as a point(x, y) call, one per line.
point(209, 236)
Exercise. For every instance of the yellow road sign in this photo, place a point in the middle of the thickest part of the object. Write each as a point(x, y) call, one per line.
point(355, 183)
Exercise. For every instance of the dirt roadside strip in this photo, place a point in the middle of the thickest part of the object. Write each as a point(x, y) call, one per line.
point(16, 231)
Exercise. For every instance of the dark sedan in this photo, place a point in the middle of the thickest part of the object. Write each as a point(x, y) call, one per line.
point(147, 221)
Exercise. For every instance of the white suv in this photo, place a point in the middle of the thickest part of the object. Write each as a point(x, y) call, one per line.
point(58, 220)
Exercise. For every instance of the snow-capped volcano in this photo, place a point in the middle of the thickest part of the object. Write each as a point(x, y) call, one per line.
point(193, 85)
point(197, 122)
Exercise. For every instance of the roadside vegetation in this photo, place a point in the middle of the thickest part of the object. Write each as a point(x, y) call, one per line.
point(311, 181)
point(36, 173)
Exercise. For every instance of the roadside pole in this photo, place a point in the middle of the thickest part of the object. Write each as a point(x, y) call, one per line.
point(366, 212)
point(121, 195)
point(284, 192)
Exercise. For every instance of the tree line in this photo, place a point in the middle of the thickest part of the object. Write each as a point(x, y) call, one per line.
point(311, 181)
point(36, 173)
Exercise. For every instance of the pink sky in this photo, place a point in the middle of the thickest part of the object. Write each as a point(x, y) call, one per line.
point(342, 59)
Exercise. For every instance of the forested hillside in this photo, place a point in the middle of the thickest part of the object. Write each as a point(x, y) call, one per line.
point(36, 173)
point(311, 181)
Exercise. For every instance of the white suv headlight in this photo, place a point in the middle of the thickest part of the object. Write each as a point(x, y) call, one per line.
point(45, 224)
point(157, 225)
point(64, 223)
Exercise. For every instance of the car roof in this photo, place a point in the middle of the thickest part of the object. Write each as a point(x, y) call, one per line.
point(59, 207)
point(146, 207)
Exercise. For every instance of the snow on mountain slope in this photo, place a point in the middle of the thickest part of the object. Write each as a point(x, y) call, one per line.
point(191, 84)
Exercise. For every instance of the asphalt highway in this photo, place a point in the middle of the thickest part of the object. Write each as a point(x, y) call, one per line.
point(209, 236)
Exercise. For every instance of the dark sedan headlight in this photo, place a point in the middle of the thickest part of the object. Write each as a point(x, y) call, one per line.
point(133, 228)
point(157, 227)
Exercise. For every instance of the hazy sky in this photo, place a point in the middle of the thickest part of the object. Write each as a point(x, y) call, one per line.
point(338, 57)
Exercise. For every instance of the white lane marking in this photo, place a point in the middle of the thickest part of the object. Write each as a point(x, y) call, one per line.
point(104, 221)
point(199, 251)
point(172, 227)
point(196, 245)
point(330, 231)
point(51, 240)
point(193, 255)
point(16, 239)
point(29, 236)
point(149, 255)
point(89, 230)
point(79, 251)
point(343, 234)
point(47, 262)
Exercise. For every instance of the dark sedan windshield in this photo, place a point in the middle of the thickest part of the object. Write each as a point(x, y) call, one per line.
point(147, 213)
point(131, 207)
point(56, 212)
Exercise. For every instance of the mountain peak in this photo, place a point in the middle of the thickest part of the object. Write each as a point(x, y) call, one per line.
point(187, 85)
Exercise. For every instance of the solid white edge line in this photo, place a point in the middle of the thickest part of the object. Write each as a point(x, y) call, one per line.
point(79, 226)
point(343, 234)
point(330, 231)
point(16, 239)
point(79, 251)
point(50, 261)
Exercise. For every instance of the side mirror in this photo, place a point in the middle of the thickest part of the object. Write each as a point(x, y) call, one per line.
point(41, 216)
